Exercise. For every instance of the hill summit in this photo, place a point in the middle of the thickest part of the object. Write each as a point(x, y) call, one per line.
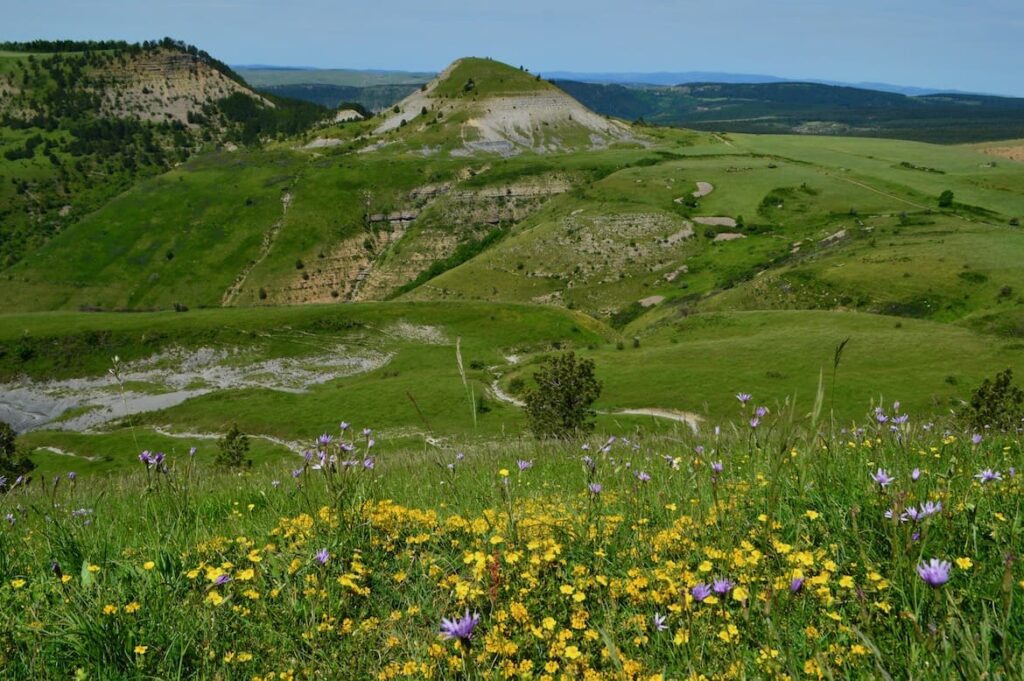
point(481, 105)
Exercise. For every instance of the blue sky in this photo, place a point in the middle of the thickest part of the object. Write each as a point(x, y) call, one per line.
point(962, 44)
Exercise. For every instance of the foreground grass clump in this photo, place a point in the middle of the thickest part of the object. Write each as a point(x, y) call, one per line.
point(763, 550)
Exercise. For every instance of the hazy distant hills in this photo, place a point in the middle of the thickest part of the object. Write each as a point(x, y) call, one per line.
point(716, 101)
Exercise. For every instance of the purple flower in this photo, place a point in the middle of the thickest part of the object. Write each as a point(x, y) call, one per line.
point(297, 472)
point(717, 466)
point(9, 518)
point(595, 488)
point(796, 584)
point(900, 420)
point(344, 425)
point(881, 417)
point(935, 572)
point(72, 475)
point(915, 474)
point(976, 439)
point(659, 622)
point(366, 432)
point(523, 465)
point(585, 447)
point(145, 458)
point(461, 629)
point(755, 422)
point(760, 412)
point(916, 536)
point(699, 449)
point(929, 508)
point(590, 463)
point(460, 456)
point(370, 443)
point(643, 476)
point(322, 556)
point(324, 440)
point(191, 451)
point(988, 475)
point(700, 592)
point(222, 580)
point(882, 477)
point(721, 586)
point(368, 463)
point(743, 398)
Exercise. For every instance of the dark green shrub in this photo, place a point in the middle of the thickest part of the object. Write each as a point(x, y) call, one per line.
point(997, 403)
point(234, 447)
point(559, 405)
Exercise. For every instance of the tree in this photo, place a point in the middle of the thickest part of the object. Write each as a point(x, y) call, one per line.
point(233, 449)
point(10, 465)
point(559, 404)
point(946, 199)
point(996, 403)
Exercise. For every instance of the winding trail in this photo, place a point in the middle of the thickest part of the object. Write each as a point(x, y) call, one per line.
point(294, 447)
point(690, 419)
point(269, 237)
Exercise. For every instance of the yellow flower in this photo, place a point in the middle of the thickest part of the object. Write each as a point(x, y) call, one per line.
point(17, 583)
point(503, 472)
point(214, 598)
point(964, 563)
point(566, 589)
point(245, 575)
point(846, 581)
point(109, 609)
point(254, 556)
point(141, 650)
point(812, 515)
point(132, 607)
point(572, 652)
point(148, 565)
point(244, 657)
point(706, 566)
point(94, 568)
point(64, 579)
point(740, 594)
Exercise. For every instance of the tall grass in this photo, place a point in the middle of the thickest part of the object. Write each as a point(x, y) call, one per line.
point(345, 570)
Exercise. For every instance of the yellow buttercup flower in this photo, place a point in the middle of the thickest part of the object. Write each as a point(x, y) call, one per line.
point(132, 607)
point(109, 609)
point(17, 583)
point(141, 650)
point(148, 565)
point(964, 563)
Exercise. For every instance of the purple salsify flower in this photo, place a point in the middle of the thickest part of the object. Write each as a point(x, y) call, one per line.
point(72, 476)
point(900, 420)
point(322, 556)
point(451, 467)
point(191, 451)
point(297, 472)
point(460, 629)
point(717, 466)
point(585, 447)
point(916, 536)
point(158, 458)
point(324, 440)
point(722, 586)
point(55, 568)
point(881, 417)
point(760, 412)
point(9, 518)
point(929, 508)
point(18, 480)
point(718, 430)
point(700, 592)
point(347, 447)
point(307, 455)
point(915, 474)
point(796, 584)
point(935, 572)
point(755, 422)
point(1012, 471)
point(911, 514)
point(275, 483)
point(882, 477)
point(460, 456)
point(595, 488)
point(343, 426)
point(891, 513)
point(370, 443)
point(222, 580)
point(976, 439)
point(523, 464)
point(366, 432)
point(144, 457)
point(896, 406)
point(349, 463)
point(699, 449)
point(743, 398)
point(643, 476)
point(368, 463)
point(590, 463)
point(988, 475)
point(659, 622)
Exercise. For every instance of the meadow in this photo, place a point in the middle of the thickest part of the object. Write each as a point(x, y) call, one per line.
point(790, 547)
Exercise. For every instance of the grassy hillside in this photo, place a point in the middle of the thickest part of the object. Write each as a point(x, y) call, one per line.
point(809, 108)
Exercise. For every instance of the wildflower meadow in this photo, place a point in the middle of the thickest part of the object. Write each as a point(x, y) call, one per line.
point(769, 547)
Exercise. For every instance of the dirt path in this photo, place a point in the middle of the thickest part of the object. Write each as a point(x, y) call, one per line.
point(690, 419)
point(61, 452)
point(686, 417)
point(294, 447)
point(268, 241)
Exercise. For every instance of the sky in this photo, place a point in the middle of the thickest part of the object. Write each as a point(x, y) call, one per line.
point(972, 45)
